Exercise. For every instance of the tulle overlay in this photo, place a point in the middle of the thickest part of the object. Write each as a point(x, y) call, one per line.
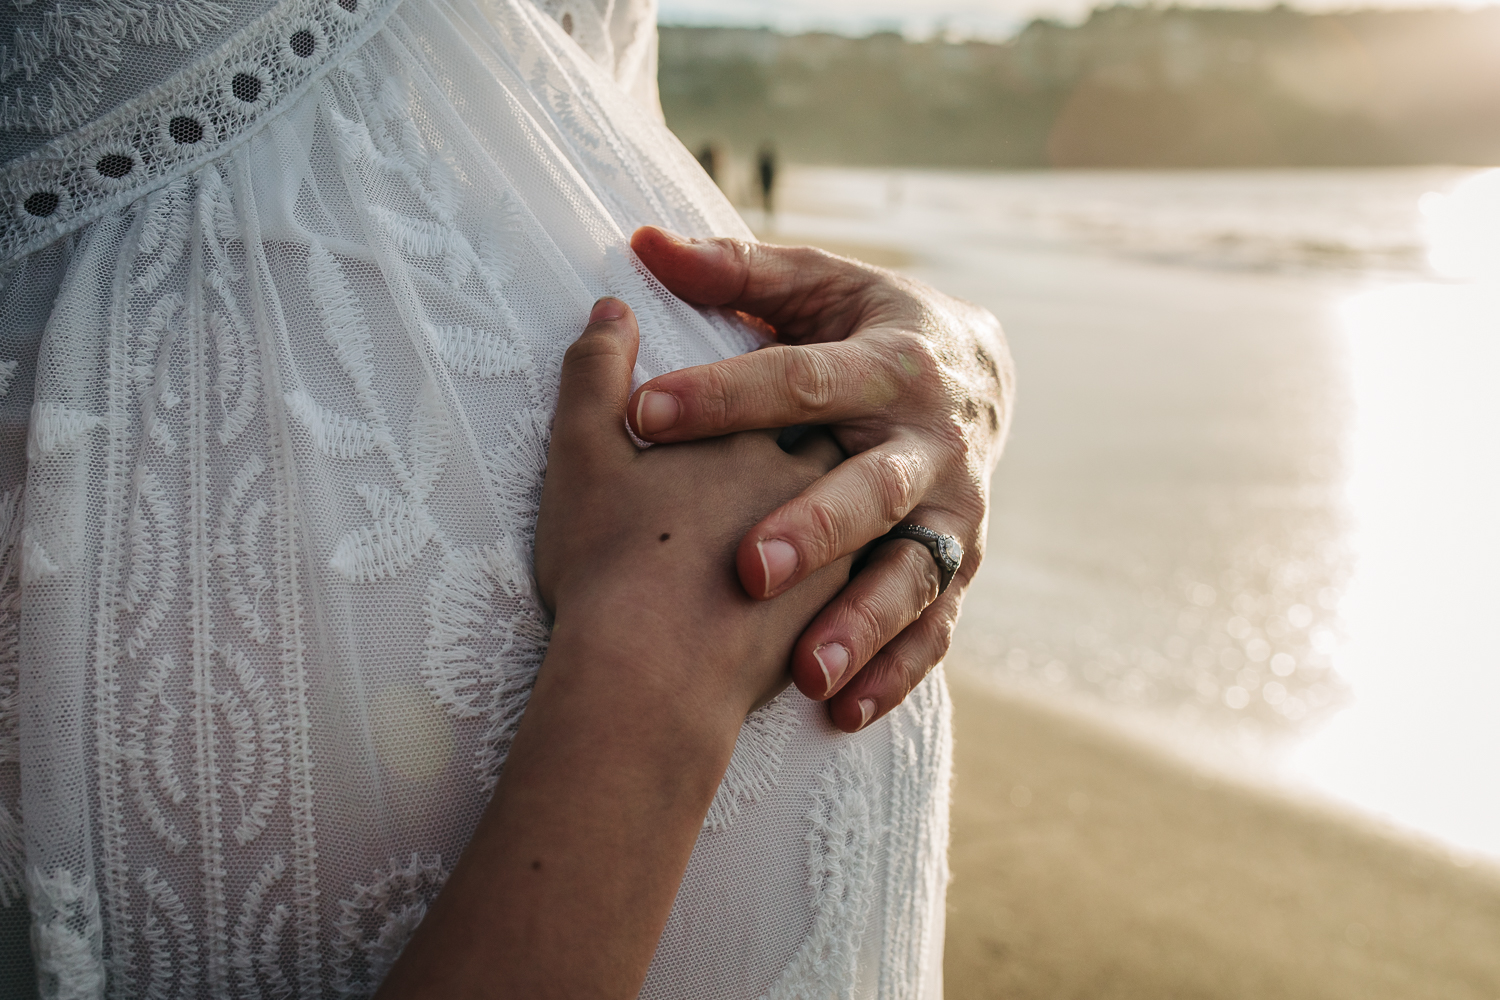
point(275, 433)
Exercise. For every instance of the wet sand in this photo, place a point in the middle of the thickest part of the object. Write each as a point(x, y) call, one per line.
point(1086, 865)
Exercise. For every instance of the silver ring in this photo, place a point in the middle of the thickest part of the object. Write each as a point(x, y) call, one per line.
point(946, 550)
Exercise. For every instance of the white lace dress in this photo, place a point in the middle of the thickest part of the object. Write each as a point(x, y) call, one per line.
point(284, 290)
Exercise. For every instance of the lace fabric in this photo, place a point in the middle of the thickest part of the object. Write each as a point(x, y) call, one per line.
point(276, 418)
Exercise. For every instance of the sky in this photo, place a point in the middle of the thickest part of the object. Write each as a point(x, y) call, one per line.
point(923, 18)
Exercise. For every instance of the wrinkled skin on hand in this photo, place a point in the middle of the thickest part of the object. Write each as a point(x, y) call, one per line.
point(638, 545)
point(914, 385)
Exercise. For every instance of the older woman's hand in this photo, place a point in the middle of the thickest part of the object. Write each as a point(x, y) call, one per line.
point(915, 386)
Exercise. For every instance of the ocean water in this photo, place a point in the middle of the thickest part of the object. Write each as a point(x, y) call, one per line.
point(1251, 502)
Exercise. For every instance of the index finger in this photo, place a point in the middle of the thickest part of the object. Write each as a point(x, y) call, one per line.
point(806, 293)
point(777, 386)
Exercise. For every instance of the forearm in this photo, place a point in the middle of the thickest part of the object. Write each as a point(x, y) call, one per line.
point(571, 874)
point(657, 655)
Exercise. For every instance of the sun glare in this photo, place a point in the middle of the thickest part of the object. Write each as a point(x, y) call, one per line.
point(1420, 651)
point(1463, 228)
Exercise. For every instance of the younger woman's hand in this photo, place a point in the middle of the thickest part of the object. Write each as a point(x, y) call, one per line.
point(638, 546)
point(656, 655)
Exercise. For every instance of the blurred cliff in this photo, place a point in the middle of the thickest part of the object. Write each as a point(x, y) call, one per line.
point(1129, 87)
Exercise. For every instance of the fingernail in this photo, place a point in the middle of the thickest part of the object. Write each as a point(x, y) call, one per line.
point(606, 309)
point(866, 711)
point(778, 559)
point(833, 658)
point(680, 240)
point(656, 412)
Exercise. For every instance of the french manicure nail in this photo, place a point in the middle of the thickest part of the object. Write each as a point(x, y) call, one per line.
point(866, 711)
point(778, 559)
point(656, 412)
point(833, 658)
point(606, 309)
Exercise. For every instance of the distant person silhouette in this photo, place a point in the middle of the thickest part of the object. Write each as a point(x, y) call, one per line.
point(766, 163)
point(708, 159)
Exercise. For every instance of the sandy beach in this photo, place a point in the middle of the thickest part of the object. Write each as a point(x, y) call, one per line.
point(1086, 865)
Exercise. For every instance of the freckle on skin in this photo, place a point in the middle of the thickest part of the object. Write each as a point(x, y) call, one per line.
point(536, 866)
point(665, 535)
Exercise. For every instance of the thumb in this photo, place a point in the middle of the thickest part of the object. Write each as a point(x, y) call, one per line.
point(805, 293)
point(595, 385)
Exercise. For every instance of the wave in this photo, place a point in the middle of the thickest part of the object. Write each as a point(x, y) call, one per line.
point(1265, 220)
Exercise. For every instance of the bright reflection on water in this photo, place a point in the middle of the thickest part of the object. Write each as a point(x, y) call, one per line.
point(1463, 227)
point(1251, 502)
point(1421, 742)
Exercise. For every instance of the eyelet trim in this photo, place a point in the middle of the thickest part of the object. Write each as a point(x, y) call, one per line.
point(304, 42)
point(246, 86)
point(114, 166)
point(44, 203)
point(183, 129)
point(195, 116)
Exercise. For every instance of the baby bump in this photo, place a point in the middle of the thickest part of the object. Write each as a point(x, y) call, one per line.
point(821, 867)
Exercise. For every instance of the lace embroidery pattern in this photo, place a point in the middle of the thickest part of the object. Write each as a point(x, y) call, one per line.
point(200, 747)
point(922, 746)
point(85, 44)
point(840, 837)
point(66, 936)
point(152, 771)
point(195, 116)
point(478, 593)
point(171, 940)
point(12, 847)
point(375, 923)
point(256, 958)
point(753, 769)
point(293, 411)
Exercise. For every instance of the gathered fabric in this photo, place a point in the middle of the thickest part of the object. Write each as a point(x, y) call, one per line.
point(284, 292)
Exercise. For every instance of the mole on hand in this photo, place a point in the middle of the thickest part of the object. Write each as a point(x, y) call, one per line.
point(536, 866)
point(665, 535)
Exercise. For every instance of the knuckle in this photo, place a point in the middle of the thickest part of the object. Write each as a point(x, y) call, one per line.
point(806, 254)
point(810, 260)
point(594, 347)
point(712, 395)
point(913, 356)
point(937, 635)
point(920, 561)
point(940, 636)
point(912, 657)
point(826, 518)
point(894, 486)
point(740, 251)
point(809, 378)
point(953, 439)
point(866, 624)
point(908, 669)
point(740, 258)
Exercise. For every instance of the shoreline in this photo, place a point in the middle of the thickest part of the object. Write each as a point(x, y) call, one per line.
point(1086, 864)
